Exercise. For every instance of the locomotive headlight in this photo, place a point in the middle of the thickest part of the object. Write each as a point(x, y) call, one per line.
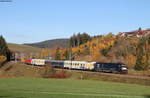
point(124, 68)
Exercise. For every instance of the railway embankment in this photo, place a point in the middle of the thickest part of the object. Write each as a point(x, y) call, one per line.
point(16, 69)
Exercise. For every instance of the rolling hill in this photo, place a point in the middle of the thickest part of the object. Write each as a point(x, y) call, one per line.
point(23, 48)
point(50, 43)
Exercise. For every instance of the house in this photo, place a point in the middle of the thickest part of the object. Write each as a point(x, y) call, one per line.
point(138, 33)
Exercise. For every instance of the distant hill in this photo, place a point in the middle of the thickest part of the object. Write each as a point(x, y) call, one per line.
point(50, 43)
point(23, 48)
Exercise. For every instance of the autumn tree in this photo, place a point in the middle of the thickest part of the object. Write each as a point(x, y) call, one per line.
point(66, 55)
point(142, 56)
point(105, 51)
point(57, 54)
point(2, 59)
point(45, 53)
point(130, 60)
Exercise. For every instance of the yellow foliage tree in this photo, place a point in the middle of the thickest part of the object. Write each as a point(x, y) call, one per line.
point(45, 53)
point(130, 60)
point(2, 59)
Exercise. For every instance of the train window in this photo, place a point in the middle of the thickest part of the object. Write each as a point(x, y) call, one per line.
point(98, 65)
point(83, 64)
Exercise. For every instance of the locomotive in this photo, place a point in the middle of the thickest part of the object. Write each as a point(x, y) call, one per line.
point(81, 65)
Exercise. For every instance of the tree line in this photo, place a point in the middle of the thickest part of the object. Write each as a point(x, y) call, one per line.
point(78, 39)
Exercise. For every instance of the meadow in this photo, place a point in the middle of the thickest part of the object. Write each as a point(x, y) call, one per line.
point(69, 88)
point(23, 48)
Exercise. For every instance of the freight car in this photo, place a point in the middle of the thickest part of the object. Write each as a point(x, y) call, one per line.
point(81, 65)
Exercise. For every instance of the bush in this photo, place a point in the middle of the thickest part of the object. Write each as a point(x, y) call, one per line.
point(60, 74)
point(49, 70)
point(2, 59)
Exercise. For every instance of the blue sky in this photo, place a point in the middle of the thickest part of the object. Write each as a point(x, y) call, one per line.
point(28, 21)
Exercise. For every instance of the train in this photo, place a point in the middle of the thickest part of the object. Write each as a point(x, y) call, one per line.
point(81, 65)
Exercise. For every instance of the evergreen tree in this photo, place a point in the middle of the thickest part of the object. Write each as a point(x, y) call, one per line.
point(79, 39)
point(140, 29)
point(4, 48)
point(85, 37)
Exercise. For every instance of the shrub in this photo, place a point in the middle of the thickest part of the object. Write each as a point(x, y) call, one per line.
point(49, 70)
point(2, 59)
point(60, 74)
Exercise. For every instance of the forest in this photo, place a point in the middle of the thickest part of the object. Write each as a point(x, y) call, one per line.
point(133, 51)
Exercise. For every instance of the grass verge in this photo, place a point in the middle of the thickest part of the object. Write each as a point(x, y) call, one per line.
point(68, 88)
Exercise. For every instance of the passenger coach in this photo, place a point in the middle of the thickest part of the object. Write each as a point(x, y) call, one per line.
point(81, 65)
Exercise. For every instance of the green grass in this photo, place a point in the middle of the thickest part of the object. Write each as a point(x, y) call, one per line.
point(104, 77)
point(67, 88)
point(23, 48)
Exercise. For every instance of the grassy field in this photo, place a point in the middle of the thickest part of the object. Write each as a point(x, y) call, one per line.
point(23, 48)
point(67, 88)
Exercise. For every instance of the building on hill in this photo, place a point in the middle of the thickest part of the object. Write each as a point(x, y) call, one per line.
point(17, 56)
point(138, 33)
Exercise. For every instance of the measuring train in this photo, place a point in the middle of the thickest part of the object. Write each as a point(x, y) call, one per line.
point(81, 65)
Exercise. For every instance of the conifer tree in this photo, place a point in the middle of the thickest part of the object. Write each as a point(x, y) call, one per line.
point(4, 51)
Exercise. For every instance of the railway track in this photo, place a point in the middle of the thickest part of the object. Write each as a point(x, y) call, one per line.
point(109, 74)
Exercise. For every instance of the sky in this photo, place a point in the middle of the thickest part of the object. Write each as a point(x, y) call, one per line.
point(29, 21)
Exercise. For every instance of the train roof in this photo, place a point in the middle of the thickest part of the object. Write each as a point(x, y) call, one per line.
point(55, 60)
point(110, 63)
point(79, 61)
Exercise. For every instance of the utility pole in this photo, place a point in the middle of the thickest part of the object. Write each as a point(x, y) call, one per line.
point(70, 56)
point(70, 53)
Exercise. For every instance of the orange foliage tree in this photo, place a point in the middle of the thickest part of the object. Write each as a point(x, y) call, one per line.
point(130, 60)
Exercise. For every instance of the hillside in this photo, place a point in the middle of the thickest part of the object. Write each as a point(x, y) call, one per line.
point(50, 43)
point(23, 48)
point(113, 48)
